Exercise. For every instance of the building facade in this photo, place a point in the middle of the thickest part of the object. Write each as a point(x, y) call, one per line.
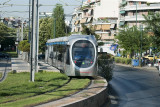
point(132, 11)
point(102, 15)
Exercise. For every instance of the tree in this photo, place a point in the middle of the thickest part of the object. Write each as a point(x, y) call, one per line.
point(131, 39)
point(45, 32)
point(24, 46)
point(89, 31)
point(59, 20)
point(6, 36)
point(152, 20)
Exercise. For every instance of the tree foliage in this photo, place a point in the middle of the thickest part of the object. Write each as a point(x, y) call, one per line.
point(152, 20)
point(45, 32)
point(59, 20)
point(89, 31)
point(131, 38)
point(24, 46)
point(105, 65)
point(5, 36)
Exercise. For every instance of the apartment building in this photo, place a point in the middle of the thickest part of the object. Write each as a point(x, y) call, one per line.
point(83, 15)
point(13, 22)
point(100, 14)
point(132, 11)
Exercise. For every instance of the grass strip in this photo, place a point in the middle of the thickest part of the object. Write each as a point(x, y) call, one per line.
point(13, 54)
point(17, 86)
point(74, 86)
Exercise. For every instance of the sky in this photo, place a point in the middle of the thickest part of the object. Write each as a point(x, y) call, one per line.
point(7, 11)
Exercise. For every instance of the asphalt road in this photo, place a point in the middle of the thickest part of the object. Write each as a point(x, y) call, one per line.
point(132, 87)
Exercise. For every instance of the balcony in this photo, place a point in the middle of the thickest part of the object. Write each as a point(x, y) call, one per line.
point(142, 7)
point(133, 18)
point(122, 12)
point(121, 23)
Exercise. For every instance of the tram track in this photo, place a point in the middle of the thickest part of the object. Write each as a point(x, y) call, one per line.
point(4, 71)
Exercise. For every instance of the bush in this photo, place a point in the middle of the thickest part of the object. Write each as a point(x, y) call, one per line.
point(24, 46)
point(105, 66)
point(123, 60)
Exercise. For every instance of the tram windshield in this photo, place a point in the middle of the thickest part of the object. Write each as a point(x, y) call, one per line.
point(83, 53)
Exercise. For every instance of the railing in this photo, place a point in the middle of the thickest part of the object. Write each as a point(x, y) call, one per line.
point(142, 7)
point(133, 18)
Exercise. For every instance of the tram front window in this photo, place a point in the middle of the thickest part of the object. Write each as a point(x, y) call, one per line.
point(83, 53)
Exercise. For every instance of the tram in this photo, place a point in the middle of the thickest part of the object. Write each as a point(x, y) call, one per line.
point(75, 55)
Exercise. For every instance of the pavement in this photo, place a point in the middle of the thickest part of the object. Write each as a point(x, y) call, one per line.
point(20, 65)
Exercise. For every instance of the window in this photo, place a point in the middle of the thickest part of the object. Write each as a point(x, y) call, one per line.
point(83, 53)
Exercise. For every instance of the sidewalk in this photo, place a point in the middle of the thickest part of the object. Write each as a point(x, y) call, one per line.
point(20, 65)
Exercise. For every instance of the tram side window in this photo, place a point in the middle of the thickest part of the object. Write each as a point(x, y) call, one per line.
point(68, 57)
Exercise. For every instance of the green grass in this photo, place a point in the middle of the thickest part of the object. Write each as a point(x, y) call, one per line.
point(13, 54)
point(98, 81)
point(17, 86)
point(17, 91)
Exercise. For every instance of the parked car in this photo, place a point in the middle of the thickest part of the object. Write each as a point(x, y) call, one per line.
point(151, 57)
point(2, 55)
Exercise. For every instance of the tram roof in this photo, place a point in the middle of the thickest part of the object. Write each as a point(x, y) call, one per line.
point(68, 38)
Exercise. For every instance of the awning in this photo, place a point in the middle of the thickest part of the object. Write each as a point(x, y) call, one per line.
point(98, 27)
point(122, 11)
point(83, 20)
point(112, 26)
point(77, 22)
point(106, 27)
point(121, 23)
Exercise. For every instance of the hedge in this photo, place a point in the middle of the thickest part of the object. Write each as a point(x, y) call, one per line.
point(123, 60)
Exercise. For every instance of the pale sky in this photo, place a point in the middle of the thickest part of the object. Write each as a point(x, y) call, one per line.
point(67, 9)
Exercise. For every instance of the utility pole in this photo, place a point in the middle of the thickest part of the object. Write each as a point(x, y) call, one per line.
point(29, 33)
point(141, 28)
point(22, 30)
point(136, 13)
point(54, 27)
point(33, 39)
point(37, 37)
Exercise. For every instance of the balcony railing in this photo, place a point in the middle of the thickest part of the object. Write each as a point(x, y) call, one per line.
point(142, 7)
point(133, 18)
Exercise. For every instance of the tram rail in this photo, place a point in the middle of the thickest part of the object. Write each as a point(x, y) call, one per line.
point(4, 71)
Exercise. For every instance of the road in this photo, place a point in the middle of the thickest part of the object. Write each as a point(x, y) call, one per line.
point(131, 87)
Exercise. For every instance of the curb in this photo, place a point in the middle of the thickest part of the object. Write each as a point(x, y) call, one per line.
point(94, 96)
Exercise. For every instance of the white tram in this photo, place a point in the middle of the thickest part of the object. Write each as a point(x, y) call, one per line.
point(75, 55)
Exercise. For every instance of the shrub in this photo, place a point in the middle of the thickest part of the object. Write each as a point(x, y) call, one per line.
point(24, 46)
point(105, 66)
point(123, 60)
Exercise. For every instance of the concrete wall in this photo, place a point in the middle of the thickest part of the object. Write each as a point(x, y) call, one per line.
point(107, 8)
